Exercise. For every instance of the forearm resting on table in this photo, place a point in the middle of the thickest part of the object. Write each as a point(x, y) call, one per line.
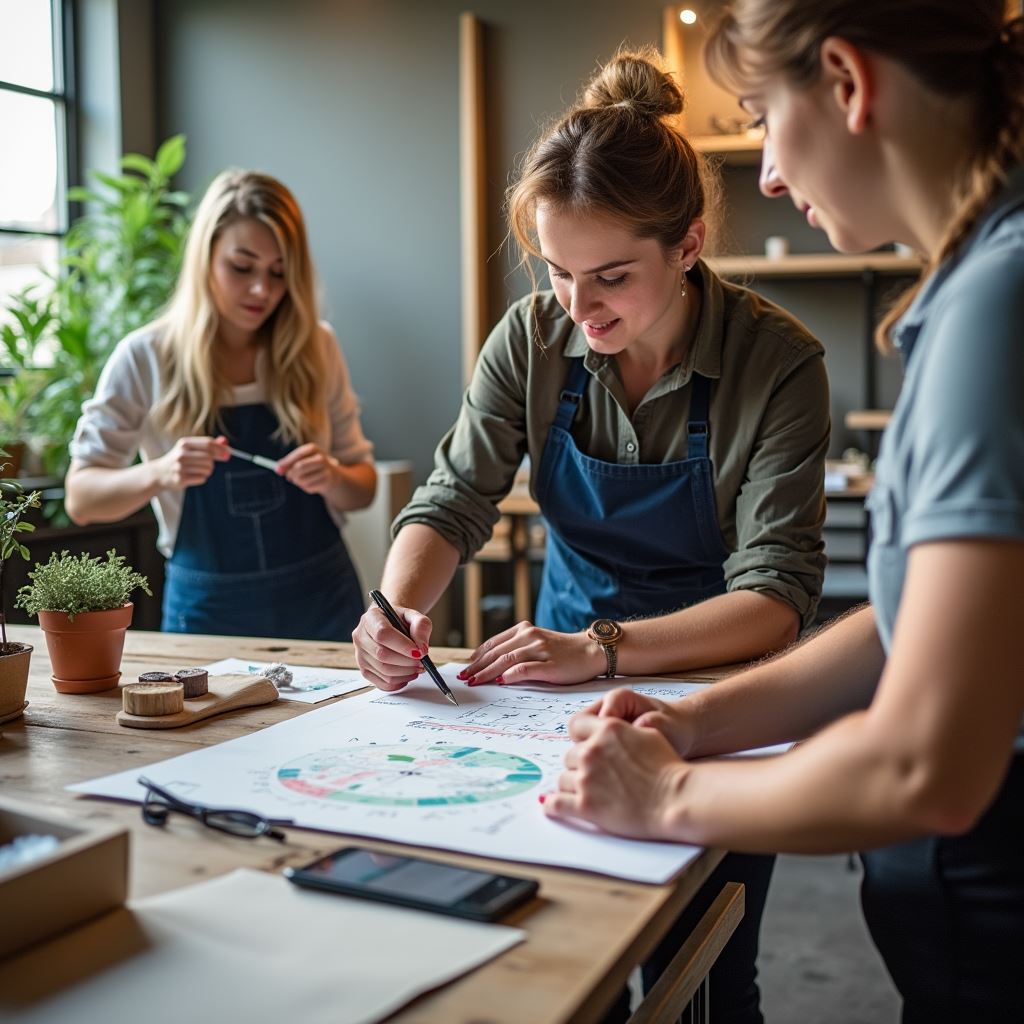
point(842, 790)
point(927, 756)
point(96, 494)
point(419, 567)
point(354, 487)
point(733, 627)
point(795, 694)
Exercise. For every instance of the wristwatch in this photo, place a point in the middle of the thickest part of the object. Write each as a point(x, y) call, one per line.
point(606, 634)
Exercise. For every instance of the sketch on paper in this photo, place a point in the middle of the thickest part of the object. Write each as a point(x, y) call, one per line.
point(441, 775)
point(411, 768)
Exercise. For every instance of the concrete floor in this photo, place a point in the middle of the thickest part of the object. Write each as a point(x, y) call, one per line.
point(817, 962)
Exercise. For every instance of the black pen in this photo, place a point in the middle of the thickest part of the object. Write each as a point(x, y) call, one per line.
point(392, 616)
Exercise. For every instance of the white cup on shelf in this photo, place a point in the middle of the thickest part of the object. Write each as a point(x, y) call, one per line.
point(776, 247)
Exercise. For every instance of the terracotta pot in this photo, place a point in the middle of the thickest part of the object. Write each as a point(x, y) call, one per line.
point(11, 466)
point(13, 681)
point(86, 653)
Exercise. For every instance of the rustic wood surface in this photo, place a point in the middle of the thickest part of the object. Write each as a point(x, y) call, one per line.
point(585, 931)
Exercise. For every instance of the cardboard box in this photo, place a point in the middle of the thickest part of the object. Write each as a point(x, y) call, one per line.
point(87, 875)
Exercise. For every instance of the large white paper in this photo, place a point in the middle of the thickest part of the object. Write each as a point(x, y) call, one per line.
point(412, 768)
point(309, 685)
point(245, 947)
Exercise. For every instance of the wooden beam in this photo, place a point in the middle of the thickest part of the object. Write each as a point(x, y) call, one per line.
point(472, 190)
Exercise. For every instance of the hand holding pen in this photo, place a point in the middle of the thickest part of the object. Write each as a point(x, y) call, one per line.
point(385, 659)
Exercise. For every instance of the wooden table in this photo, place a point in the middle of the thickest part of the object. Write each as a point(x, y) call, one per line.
point(586, 932)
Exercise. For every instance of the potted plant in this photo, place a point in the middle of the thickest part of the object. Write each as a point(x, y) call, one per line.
point(84, 611)
point(16, 398)
point(14, 657)
point(118, 267)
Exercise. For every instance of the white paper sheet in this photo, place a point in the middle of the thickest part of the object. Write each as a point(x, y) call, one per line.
point(308, 686)
point(247, 947)
point(412, 768)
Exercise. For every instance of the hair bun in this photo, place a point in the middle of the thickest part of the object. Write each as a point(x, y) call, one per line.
point(635, 79)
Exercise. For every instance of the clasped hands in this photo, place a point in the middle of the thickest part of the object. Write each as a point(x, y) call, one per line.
point(624, 772)
point(190, 462)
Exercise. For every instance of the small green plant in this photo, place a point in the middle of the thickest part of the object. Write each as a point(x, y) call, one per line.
point(77, 583)
point(14, 504)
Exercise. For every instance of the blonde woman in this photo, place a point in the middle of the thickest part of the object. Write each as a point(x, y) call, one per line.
point(238, 361)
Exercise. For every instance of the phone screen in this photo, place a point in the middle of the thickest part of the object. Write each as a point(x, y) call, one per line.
point(403, 877)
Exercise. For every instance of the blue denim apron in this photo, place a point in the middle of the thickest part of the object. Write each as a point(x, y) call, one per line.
point(644, 540)
point(626, 541)
point(255, 555)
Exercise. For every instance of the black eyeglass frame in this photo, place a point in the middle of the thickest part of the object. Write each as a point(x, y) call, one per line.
point(233, 822)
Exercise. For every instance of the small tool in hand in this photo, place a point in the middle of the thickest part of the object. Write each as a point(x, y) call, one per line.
point(259, 460)
point(392, 616)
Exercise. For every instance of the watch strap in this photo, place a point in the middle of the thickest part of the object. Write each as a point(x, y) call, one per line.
point(611, 652)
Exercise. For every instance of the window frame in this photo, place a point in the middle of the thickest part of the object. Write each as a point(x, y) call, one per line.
point(64, 98)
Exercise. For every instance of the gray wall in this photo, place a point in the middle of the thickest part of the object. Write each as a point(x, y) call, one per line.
point(354, 103)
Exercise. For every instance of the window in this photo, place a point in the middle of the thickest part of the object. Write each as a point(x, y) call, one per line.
point(35, 123)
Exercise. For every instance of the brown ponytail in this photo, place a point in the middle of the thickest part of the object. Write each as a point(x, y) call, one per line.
point(958, 48)
point(616, 152)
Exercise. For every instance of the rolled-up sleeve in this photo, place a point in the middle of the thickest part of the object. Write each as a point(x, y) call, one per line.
point(477, 459)
point(780, 507)
point(109, 428)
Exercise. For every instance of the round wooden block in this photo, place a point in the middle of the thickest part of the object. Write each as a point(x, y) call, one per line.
point(195, 680)
point(156, 677)
point(154, 700)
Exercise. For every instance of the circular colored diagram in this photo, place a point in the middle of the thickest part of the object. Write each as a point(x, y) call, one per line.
point(397, 776)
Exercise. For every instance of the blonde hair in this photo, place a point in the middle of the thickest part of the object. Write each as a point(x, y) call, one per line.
point(956, 48)
point(616, 152)
point(193, 389)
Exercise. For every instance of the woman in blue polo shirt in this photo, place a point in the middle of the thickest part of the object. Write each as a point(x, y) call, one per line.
point(885, 122)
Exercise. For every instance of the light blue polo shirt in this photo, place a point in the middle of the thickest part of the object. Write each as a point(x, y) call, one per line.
point(951, 463)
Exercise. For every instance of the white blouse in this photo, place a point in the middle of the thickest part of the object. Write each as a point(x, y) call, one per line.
point(115, 425)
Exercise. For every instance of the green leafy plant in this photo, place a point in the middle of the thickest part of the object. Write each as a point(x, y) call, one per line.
point(14, 504)
point(78, 583)
point(120, 262)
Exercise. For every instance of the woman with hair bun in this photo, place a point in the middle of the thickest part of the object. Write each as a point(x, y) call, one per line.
point(885, 122)
point(239, 360)
point(676, 427)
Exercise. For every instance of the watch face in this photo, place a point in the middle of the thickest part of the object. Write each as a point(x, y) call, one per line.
point(605, 631)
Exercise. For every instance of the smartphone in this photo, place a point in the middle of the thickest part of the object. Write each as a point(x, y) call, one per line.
point(415, 882)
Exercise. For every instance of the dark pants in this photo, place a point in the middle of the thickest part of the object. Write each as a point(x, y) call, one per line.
point(734, 995)
point(947, 915)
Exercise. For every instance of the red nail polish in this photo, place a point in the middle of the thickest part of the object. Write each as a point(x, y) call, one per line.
point(461, 675)
point(416, 654)
point(500, 679)
point(541, 798)
point(471, 680)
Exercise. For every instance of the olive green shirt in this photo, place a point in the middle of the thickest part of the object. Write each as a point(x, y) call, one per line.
point(769, 431)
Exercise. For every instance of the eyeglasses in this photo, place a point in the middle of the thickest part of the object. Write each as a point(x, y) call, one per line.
point(159, 803)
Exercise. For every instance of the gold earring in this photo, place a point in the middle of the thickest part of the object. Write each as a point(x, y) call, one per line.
point(682, 284)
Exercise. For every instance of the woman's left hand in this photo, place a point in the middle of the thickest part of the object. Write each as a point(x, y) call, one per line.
point(527, 653)
point(310, 468)
point(624, 778)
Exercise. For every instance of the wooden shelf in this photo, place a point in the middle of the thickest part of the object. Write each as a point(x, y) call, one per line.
point(814, 265)
point(867, 419)
point(743, 149)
